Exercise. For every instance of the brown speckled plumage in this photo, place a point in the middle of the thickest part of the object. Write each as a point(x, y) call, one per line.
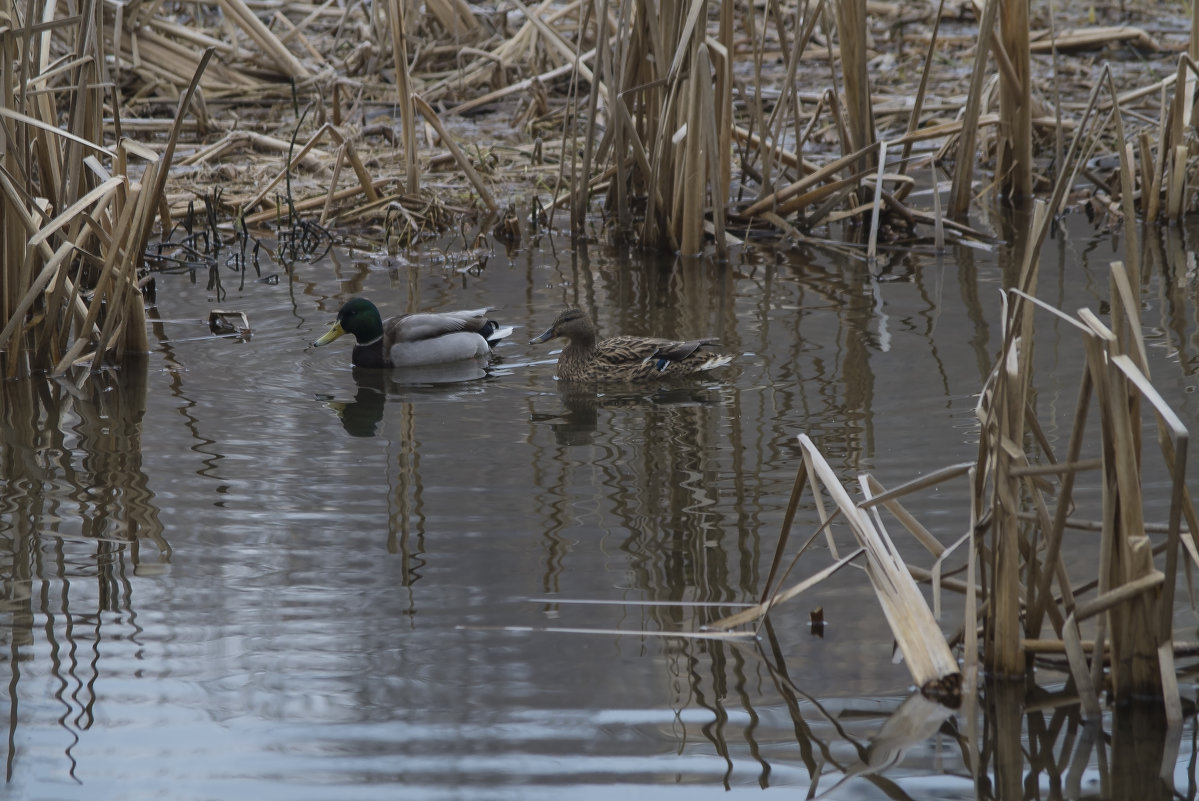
point(625, 358)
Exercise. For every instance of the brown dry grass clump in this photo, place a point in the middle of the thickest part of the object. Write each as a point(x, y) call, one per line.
point(674, 126)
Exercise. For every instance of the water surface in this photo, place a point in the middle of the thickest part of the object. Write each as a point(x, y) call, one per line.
point(242, 569)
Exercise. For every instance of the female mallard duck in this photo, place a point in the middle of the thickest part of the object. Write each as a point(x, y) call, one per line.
point(624, 358)
point(414, 340)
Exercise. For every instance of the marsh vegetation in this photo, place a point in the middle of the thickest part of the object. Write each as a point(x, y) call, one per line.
point(215, 137)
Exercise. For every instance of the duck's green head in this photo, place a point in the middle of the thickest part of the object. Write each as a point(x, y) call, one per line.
point(358, 317)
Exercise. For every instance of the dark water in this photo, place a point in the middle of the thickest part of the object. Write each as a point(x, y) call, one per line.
point(241, 569)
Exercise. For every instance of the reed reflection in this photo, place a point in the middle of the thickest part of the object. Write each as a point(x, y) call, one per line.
point(836, 742)
point(1012, 743)
point(1173, 311)
point(390, 404)
point(77, 510)
point(1033, 739)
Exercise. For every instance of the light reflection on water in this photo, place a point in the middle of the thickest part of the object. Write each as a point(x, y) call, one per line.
point(245, 569)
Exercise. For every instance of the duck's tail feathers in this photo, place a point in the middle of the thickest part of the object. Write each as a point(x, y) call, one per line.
point(687, 353)
point(710, 363)
point(493, 332)
point(714, 361)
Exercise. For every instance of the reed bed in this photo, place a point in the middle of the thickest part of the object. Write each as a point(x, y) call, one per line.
point(679, 126)
point(694, 125)
point(1025, 498)
point(1033, 495)
point(77, 213)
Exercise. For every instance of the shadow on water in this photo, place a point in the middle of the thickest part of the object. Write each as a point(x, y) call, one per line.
point(362, 416)
point(577, 421)
point(75, 513)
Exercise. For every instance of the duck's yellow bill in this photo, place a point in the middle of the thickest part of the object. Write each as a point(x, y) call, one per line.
point(330, 335)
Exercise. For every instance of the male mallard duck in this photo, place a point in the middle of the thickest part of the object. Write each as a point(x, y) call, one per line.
point(624, 358)
point(414, 340)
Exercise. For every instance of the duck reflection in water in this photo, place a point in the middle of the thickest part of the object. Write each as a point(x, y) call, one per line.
point(578, 422)
point(361, 416)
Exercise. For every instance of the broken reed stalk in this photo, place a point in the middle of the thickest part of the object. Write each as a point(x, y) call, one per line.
point(1134, 602)
point(914, 117)
point(427, 112)
point(925, 651)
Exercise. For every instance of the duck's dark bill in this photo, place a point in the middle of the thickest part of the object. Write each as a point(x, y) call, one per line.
point(544, 337)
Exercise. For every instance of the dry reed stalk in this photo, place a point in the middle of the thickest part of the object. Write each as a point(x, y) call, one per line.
point(558, 43)
point(961, 192)
point(1014, 159)
point(1173, 143)
point(295, 32)
point(1135, 598)
point(1002, 413)
point(1040, 591)
point(876, 204)
point(919, 637)
point(759, 611)
point(672, 119)
point(623, 135)
point(128, 245)
point(851, 33)
point(284, 61)
point(914, 117)
point(309, 157)
point(404, 91)
point(317, 202)
point(1091, 38)
point(772, 128)
point(519, 47)
point(717, 131)
point(649, 96)
point(460, 157)
point(305, 157)
point(580, 200)
point(780, 197)
point(163, 60)
point(1141, 629)
point(515, 88)
point(455, 16)
point(1173, 439)
point(1004, 655)
point(694, 177)
point(889, 499)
